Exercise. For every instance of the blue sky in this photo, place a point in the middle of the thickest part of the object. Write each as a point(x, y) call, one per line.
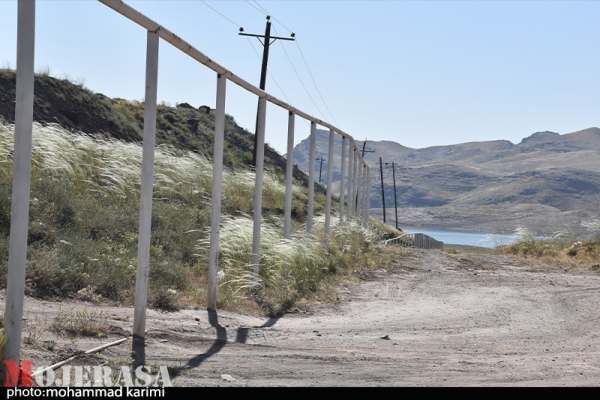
point(420, 73)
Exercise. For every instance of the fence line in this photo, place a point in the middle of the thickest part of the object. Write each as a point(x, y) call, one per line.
point(357, 178)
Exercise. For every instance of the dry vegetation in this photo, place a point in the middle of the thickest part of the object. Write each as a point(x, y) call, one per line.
point(561, 249)
point(83, 229)
point(80, 323)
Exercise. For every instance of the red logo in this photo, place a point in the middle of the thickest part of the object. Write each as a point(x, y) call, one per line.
point(15, 376)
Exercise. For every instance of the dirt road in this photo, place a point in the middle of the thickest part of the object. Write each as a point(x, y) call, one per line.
point(438, 319)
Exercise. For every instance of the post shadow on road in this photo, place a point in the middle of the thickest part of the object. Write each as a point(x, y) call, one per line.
point(138, 351)
point(220, 341)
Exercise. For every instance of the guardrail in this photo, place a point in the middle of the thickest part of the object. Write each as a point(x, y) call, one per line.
point(404, 240)
point(416, 240)
point(354, 188)
point(423, 241)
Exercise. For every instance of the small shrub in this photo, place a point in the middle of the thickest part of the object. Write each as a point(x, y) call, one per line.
point(81, 323)
point(164, 299)
point(559, 249)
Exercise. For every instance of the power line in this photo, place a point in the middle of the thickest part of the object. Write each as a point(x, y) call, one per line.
point(266, 42)
point(225, 17)
point(255, 5)
point(232, 22)
point(310, 97)
point(271, 76)
point(312, 76)
point(274, 18)
point(258, 7)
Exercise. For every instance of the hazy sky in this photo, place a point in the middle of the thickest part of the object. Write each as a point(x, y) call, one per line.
point(420, 73)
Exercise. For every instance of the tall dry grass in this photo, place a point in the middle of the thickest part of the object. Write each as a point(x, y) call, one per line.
point(292, 268)
point(83, 230)
point(559, 249)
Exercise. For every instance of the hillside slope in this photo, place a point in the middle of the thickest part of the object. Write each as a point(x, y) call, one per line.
point(547, 182)
point(84, 208)
point(77, 108)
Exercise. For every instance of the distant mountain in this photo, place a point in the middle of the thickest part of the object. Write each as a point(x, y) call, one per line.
point(547, 182)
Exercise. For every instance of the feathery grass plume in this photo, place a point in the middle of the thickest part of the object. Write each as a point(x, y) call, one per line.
point(290, 268)
point(84, 207)
point(85, 191)
point(524, 234)
point(592, 225)
point(113, 167)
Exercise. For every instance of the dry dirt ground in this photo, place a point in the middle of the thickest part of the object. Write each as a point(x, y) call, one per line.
point(437, 319)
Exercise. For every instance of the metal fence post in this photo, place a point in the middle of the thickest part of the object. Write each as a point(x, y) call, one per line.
point(356, 183)
point(342, 180)
point(349, 177)
point(260, 161)
point(311, 177)
point(362, 193)
point(21, 182)
point(328, 194)
point(367, 196)
point(217, 184)
point(352, 183)
point(289, 167)
point(141, 278)
point(363, 184)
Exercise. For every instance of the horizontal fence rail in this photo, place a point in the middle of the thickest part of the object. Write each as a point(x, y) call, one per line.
point(355, 179)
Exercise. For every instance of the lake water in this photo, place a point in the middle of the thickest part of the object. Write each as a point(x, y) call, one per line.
point(464, 238)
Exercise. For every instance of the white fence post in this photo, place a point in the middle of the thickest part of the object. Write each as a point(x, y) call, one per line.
point(363, 184)
point(367, 197)
point(21, 182)
point(328, 194)
point(355, 184)
point(311, 177)
point(361, 197)
point(342, 180)
point(141, 279)
point(260, 161)
point(350, 179)
point(289, 168)
point(354, 180)
point(363, 190)
point(217, 184)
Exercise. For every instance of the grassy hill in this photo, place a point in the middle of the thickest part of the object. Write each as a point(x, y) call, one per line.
point(77, 108)
point(85, 202)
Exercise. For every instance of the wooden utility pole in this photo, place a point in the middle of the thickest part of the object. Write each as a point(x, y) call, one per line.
point(393, 164)
point(320, 159)
point(267, 41)
point(364, 150)
point(382, 188)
